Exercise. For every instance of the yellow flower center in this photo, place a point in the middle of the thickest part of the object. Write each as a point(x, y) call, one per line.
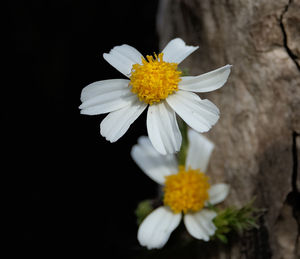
point(155, 79)
point(186, 191)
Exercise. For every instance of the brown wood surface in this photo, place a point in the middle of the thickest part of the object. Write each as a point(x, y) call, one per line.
point(257, 137)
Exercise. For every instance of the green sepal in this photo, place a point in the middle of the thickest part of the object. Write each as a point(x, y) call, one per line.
point(143, 209)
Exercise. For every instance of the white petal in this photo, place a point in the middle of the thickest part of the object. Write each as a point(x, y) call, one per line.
point(163, 129)
point(218, 193)
point(153, 164)
point(116, 123)
point(199, 114)
point(105, 96)
point(199, 151)
point(157, 227)
point(200, 224)
point(206, 82)
point(102, 87)
point(123, 57)
point(176, 51)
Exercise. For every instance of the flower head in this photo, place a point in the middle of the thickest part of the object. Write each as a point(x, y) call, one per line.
point(155, 79)
point(154, 82)
point(186, 191)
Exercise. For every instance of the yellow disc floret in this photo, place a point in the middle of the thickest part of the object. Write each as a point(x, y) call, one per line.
point(155, 79)
point(186, 191)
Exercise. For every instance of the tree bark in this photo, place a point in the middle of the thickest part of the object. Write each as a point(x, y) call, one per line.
point(257, 137)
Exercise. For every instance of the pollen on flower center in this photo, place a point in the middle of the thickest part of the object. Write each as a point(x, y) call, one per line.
point(186, 191)
point(155, 79)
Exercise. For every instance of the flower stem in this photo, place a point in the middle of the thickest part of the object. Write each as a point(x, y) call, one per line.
point(183, 150)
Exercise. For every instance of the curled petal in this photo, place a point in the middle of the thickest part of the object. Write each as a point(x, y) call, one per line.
point(157, 227)
point(207, 82)
point(199, 151)
point(176, 51)
point(200, 224)
point(199, 114)
point(154, 164)
point(123, 57)
point(105, 96)
point(163, 129)
point(218, 193)
point(116, 123)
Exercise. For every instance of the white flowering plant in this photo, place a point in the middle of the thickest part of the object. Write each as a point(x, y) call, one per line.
point(174, 154)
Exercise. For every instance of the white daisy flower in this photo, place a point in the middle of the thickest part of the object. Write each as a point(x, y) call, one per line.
point(154, 81)
point(186, 191)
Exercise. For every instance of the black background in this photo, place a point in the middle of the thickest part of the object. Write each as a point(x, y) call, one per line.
point(74, 192)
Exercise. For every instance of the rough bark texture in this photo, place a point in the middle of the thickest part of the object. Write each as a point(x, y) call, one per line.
point(257, 137)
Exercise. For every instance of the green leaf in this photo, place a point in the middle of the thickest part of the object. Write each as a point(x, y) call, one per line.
point(236, 219)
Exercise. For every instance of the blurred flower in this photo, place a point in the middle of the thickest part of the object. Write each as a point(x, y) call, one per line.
point(157, 82)
point(186, 191)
